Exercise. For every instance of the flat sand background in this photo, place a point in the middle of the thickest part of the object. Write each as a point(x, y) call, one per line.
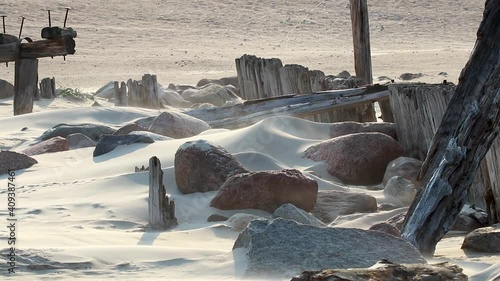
point(184, 41)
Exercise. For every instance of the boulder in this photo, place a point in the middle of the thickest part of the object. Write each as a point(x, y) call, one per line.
point(405, 167)
point(150, 135)
point(107, 91)
point(171, 97)
point(331, 203)
point(216, 218)
point(201, 166)
point(350, 127)
point(232, 80)
point(267, 190)
point(109, 142)
point(203, 82)
point(10, 160)
point(290, 212)
point(145, 122)
point(93, 131)
point(125, 130)
point(240, 221)
point(410, 76)
point(359, 159)
point(211, 93)
point(78, 140)
point(385, 270)
point(386, 228)
point(387, 207)
point(400, 189)
point(55, 144)
point(344, 74)
point(177, 125)
point(486, 239)
point(6, 89)
point(284, 248)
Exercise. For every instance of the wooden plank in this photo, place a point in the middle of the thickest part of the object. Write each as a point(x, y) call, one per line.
point(57, 32)
point(161, 210)
point(386, 110)
point(249, 113)
point(7, 39)
point(467, 131)
point(25, 85)
point(8, 52)
point(361, 39)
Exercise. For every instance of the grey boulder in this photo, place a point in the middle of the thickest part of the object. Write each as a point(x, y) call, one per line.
point(78, 140)
point(177, 125)
point(10, 160)
point(290, 212)
point(93, 131)
point(486, 239)
point(284, 248)
point(109, 142)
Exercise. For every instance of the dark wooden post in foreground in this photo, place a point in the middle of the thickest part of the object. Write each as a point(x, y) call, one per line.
point(467, 131)
point(161, 211)
point(25, 85)
point(48, 88)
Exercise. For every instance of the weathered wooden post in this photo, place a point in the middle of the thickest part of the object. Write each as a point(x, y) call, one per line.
point(48, 88)
point(361, 38)
point(161, 211)
point(25, 85)
point(295, 79)
point(259, 78)
point(466, 133)
point(317, 80)
point(134, 90)
point(150, 94)
point(121, 98)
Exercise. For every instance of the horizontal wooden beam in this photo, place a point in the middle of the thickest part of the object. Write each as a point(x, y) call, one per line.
point(57, 32)
point(39, 49)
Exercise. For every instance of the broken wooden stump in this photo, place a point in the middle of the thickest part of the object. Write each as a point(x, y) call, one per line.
point(467, 131)
point(121, 98)
point(134, 90)
point(150, 93)
point(295, 79)
point(48, 88)
point(161, 209)
point(259, 78)
point(387, 271)
point(25, 85)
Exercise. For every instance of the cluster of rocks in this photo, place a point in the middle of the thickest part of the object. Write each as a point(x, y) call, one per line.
point(206, 94)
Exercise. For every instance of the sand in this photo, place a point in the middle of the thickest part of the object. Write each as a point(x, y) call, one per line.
point(86, 216)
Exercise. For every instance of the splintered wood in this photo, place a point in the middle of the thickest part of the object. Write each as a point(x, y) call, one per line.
point(161, 209)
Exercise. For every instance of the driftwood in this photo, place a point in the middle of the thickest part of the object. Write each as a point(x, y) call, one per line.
point(387, 271)
point(251, 112)
point(48, 88)
point(161, 210)
point(25, 86)
point(468, 129)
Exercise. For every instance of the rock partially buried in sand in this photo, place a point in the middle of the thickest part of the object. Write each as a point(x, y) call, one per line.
point(56, 144)
point(93, 131)
point(267, 190)
point(405, 167)
point(201, 166)
point(178, 125)
point(78, 140)
point(331, 203)
point(486, 239)
point(10, 160)
point(359, 159)
point(216, 218)
point(386, 228)
point(211, 93)
point(240, 221)
point(125, 130)
point(284, 248)
point(110, 142)
point(385, 270)
point(349, 127)
point(400, 189)
point(290, 212)
point(6, 89)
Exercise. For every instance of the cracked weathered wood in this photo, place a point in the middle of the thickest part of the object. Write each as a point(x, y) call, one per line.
point(25, 85)
point(121, 98)
point(149, 92)
point(39, 49)
point(259, 78)
point(361, 39)
point(48, 88)
point(161, 209)
point(467, 131)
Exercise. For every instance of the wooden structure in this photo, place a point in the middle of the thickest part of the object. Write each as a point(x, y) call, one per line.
point(121, 98)
point(144, 93)
point(267, 78)
point(161, 209)
point(26, 56)
point(466, 133)
point(302, 106)
point(48, 88)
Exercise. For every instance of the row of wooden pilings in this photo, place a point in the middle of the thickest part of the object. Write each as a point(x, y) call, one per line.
point(143, 93)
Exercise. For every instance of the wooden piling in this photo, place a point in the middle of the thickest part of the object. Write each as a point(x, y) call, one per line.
point(149, 93)
point(161, 209)
point(361, 39)
point(295, 79)
point(259, 78)
point(25, 86)
point(48, 88)
point(121, 98)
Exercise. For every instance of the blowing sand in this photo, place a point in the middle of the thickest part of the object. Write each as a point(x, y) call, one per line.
point(84, 217)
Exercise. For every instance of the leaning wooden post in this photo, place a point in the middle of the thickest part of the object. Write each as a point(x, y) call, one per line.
point(25, 85)
point(468, 129)
point(161, 211)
